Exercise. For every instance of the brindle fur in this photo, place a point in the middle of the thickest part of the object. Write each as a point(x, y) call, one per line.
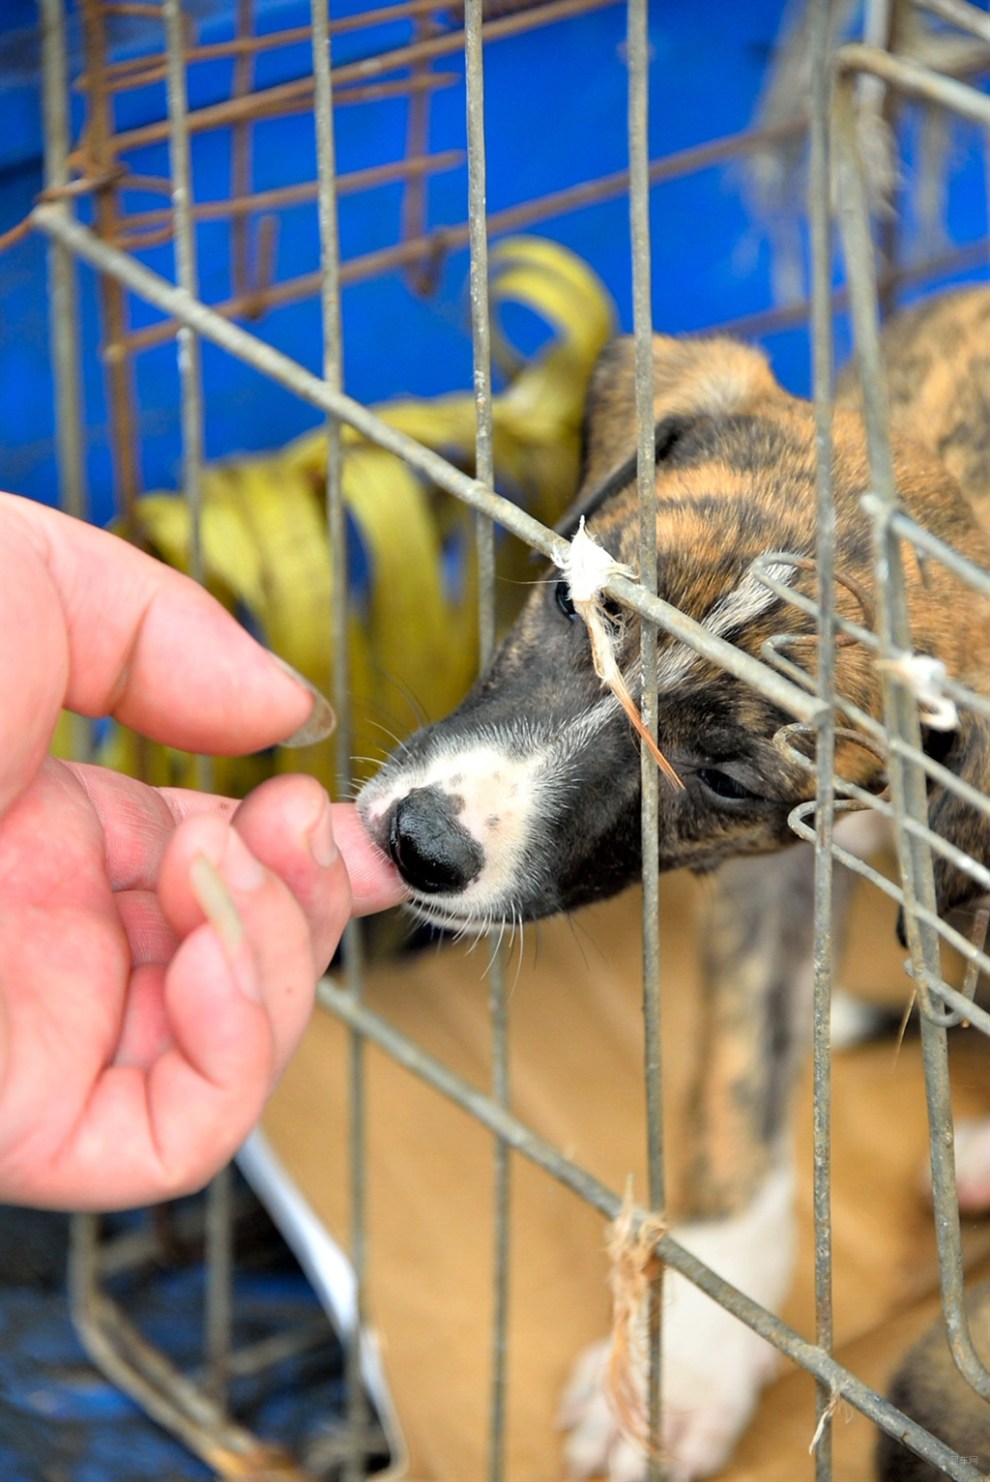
point(736, 478)
point(938, 382)
point(930, 1389)
point(756, 931)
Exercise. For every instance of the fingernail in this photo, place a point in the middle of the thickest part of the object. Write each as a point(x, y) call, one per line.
point(217, 904)
point(321, 720)
point(322, 844)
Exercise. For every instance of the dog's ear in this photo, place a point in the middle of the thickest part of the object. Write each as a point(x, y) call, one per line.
point(966, 752)
point(692, 378)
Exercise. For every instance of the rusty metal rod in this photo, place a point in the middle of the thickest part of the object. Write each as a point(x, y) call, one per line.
point(136, 72)
point(215, 115)
point(513, 218)
point(310, 388)
point(293, 195)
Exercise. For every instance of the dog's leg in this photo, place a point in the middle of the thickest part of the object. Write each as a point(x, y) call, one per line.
point(756, 942)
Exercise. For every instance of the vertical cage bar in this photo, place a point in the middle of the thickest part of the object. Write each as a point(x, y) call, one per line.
point(638, 49)
point(83, 1274)
point(187, 279)
point(113, 297)
point(353, 943)
point(332, 374)
point(421, 273)
point(485, 556)
point(218, 1251)
point(879, 21)
point(907, 776)
point(241, 146)
point(480, 322)
point(218, 1260)
point(822, 369)
point(63, 301)
point(62, 284)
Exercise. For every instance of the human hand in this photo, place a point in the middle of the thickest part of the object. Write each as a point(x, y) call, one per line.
point(158, 948)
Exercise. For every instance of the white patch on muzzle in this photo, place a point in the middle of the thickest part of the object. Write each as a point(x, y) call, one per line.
point(506, 785)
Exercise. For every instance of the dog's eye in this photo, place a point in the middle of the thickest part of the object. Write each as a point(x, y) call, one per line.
point(724, 785)
point(612, 609)
point(562, 593)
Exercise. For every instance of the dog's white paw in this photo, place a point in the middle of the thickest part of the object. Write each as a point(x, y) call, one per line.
point(713, 1365)
point(714, 1368)
point(596, 1446)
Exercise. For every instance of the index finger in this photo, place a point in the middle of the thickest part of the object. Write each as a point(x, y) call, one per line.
point(375, 882)
point(146, 644)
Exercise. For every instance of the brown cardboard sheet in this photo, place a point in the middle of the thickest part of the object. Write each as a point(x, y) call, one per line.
point(576, 1077)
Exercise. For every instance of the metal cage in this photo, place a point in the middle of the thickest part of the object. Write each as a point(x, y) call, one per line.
point(110, 245)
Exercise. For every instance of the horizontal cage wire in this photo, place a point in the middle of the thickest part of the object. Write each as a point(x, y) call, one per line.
point(129, 116)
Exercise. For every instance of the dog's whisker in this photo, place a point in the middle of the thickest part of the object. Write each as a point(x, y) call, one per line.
point(526, 802)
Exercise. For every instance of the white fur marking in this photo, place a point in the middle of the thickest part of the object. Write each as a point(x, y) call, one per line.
point(736, 608)
point(925, 678)
point(713, 1365)
point(510, 799)
point(747, 601)
point(532, 762)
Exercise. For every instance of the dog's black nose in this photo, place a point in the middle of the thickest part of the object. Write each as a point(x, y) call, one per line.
point(432, 851)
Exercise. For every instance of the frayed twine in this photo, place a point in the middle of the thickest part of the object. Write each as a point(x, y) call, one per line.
point(925, 677)
point(631, 1249)
point(587, 566)
point(836, 1405)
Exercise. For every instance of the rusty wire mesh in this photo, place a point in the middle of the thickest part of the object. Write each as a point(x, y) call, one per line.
point(104, 163)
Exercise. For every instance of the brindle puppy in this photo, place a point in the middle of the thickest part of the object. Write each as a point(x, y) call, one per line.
point(525, 801)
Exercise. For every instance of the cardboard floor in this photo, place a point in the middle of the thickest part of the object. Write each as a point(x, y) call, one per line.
point(576, 1056)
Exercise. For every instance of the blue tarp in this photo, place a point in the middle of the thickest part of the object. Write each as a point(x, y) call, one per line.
point(555, 109)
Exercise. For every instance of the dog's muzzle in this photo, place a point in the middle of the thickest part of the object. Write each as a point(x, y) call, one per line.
point(433, 852)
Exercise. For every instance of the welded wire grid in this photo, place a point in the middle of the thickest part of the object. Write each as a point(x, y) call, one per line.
point(197, 1411)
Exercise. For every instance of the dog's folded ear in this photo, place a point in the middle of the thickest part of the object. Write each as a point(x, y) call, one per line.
point(706, 377)
point(960, 821)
